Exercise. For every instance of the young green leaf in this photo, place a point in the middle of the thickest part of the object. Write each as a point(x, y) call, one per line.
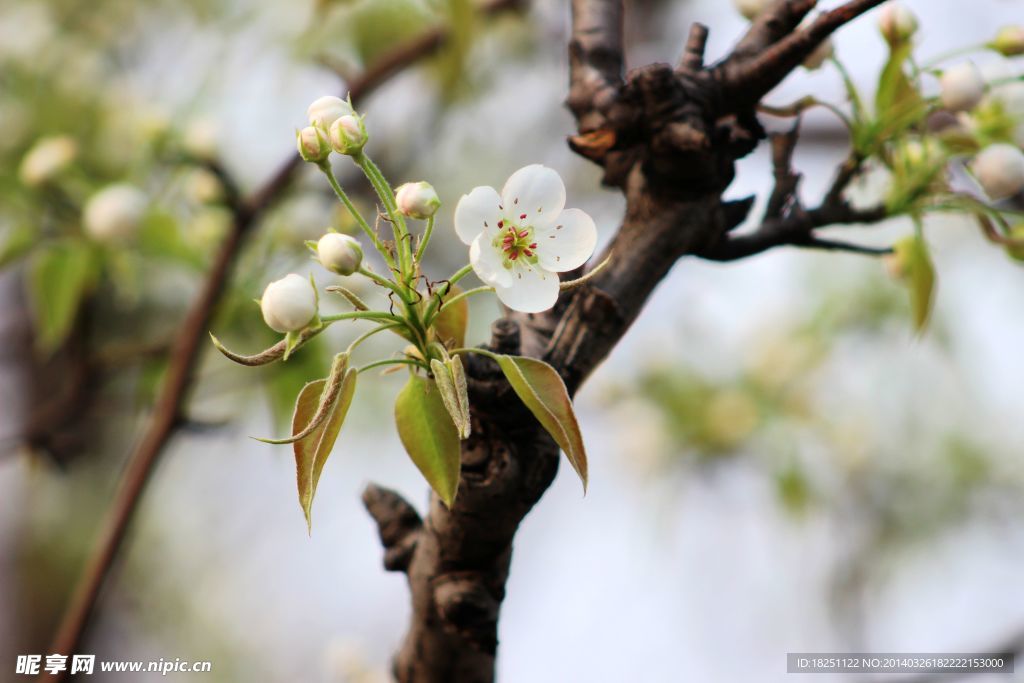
point(542, 390)
point(898, 104)
point(452, 385)
point(59, 278)
point(429, 435)
point(450, 324)
point(311, 453)
point(15, 243)
point(332, 389)
point(916, 268)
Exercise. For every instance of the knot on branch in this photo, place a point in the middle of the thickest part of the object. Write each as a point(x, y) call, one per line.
point(669, 122)
point(397, 522)
point(505, 336)
point(468, 609)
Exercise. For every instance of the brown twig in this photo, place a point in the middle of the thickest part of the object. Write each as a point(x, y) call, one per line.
point(771, 51)
point(190, 341)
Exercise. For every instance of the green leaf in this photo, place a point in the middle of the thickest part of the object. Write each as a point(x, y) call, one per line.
point(15, 243)
point(378, 26)
point(451, 382)
point(541, 389)
point(898, 104)
point(160, 238)
point(915, 266)
point(59, 278)
point(429, 435)
point(450, 324)
point(332, 389)
point(311, 453)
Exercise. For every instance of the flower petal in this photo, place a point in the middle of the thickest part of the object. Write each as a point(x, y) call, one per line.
point(476, 212)
point(568, 243)
point(488, 262)
point(536, 191)
point(533, 290)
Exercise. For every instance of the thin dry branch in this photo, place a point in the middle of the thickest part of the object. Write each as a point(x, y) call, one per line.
point(772, 49)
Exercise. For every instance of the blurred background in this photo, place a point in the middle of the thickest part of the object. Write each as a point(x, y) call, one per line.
point(778, 462)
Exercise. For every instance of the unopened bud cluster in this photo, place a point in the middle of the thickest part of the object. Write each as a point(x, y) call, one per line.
point(333, 125)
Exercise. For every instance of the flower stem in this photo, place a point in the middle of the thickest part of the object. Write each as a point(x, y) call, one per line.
point(952, 54)
point(384, 282)
point(393, 361)
point(326, 168)
point(460, 296)
point(363, 337)
point(426, 238)
point(432, 308)
point(387, 197)
point(363, 315)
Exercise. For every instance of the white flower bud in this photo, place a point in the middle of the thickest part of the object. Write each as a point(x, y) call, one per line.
point(897, 23)
point(288, 304)
point(204, 187)
point(1009, 41)
point(46, 159)
point(962, 87)
point(1000, 170)
point(348, 134)
point(751, 8)
point(339, 253)
point(820, 55)
point(417, 200)
point(114, 213)
point(326, 110)
point(313, 146)
point(200, 139)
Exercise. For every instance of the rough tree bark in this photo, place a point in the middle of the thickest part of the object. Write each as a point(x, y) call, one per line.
point(668, 138)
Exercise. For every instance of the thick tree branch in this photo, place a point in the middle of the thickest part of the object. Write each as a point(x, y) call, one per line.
point(668, 138)
point(693, 53)
point(771, 26)
point(596, 60)
point(192, 338)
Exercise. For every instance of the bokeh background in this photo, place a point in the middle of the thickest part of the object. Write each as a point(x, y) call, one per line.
point(778, 462)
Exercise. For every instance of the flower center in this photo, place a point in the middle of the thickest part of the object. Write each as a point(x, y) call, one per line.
point(516, 243)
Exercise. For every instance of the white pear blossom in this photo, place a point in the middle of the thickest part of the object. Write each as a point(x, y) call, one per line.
point(204, 187)
point(288, 304)
point(201, 138)
point(519, 240)
point(114, 213)
point(326, 110)
point(962, 87)
point(339, 253)
point(897, 23)
point(46, 159)
point(417, 200)
point(1000, 170)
